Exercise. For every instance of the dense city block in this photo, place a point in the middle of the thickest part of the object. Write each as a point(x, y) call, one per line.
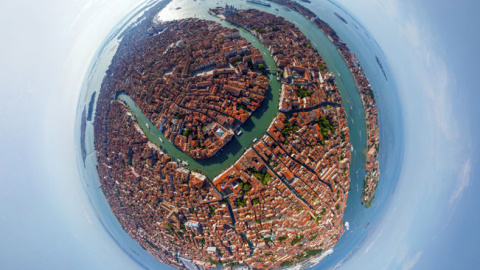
point(368, 99)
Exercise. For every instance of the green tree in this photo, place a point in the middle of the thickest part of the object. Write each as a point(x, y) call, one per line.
point(187, 132)
point(241, 202)
point(246, 187)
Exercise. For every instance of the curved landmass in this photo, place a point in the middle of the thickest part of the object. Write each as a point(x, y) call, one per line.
point(368, 99)
point(282, 202)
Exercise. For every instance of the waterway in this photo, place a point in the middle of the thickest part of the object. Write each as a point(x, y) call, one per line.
point(361, 220)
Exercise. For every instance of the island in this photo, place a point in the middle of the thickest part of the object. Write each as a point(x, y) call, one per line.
point(198, 82)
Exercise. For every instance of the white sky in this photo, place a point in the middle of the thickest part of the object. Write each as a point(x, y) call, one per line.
point(438, 142)
point(46, 221)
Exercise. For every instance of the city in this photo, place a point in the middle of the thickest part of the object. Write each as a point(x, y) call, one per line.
point(282, 202)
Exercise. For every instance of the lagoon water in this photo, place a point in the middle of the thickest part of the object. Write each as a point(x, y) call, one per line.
point(361, 219)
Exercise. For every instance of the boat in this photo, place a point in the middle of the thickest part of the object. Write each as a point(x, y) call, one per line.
point(239, 132)
point(258, 2)
point(254, 140)
point(178, 8)
point(160, 139)
point(347, 226)
point(147, 125)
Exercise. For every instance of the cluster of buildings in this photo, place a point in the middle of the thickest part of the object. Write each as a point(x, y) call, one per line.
point(193, 80)
point(368, 98)
point(282, 202)
point(265, 210)
point(307, 83)
point(306, 151)
point(162, 205)
point(370, 109)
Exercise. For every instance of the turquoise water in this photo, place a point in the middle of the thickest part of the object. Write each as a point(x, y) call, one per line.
point(361, 219)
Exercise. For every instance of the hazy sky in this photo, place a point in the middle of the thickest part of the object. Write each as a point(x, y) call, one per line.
point(46, 221)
